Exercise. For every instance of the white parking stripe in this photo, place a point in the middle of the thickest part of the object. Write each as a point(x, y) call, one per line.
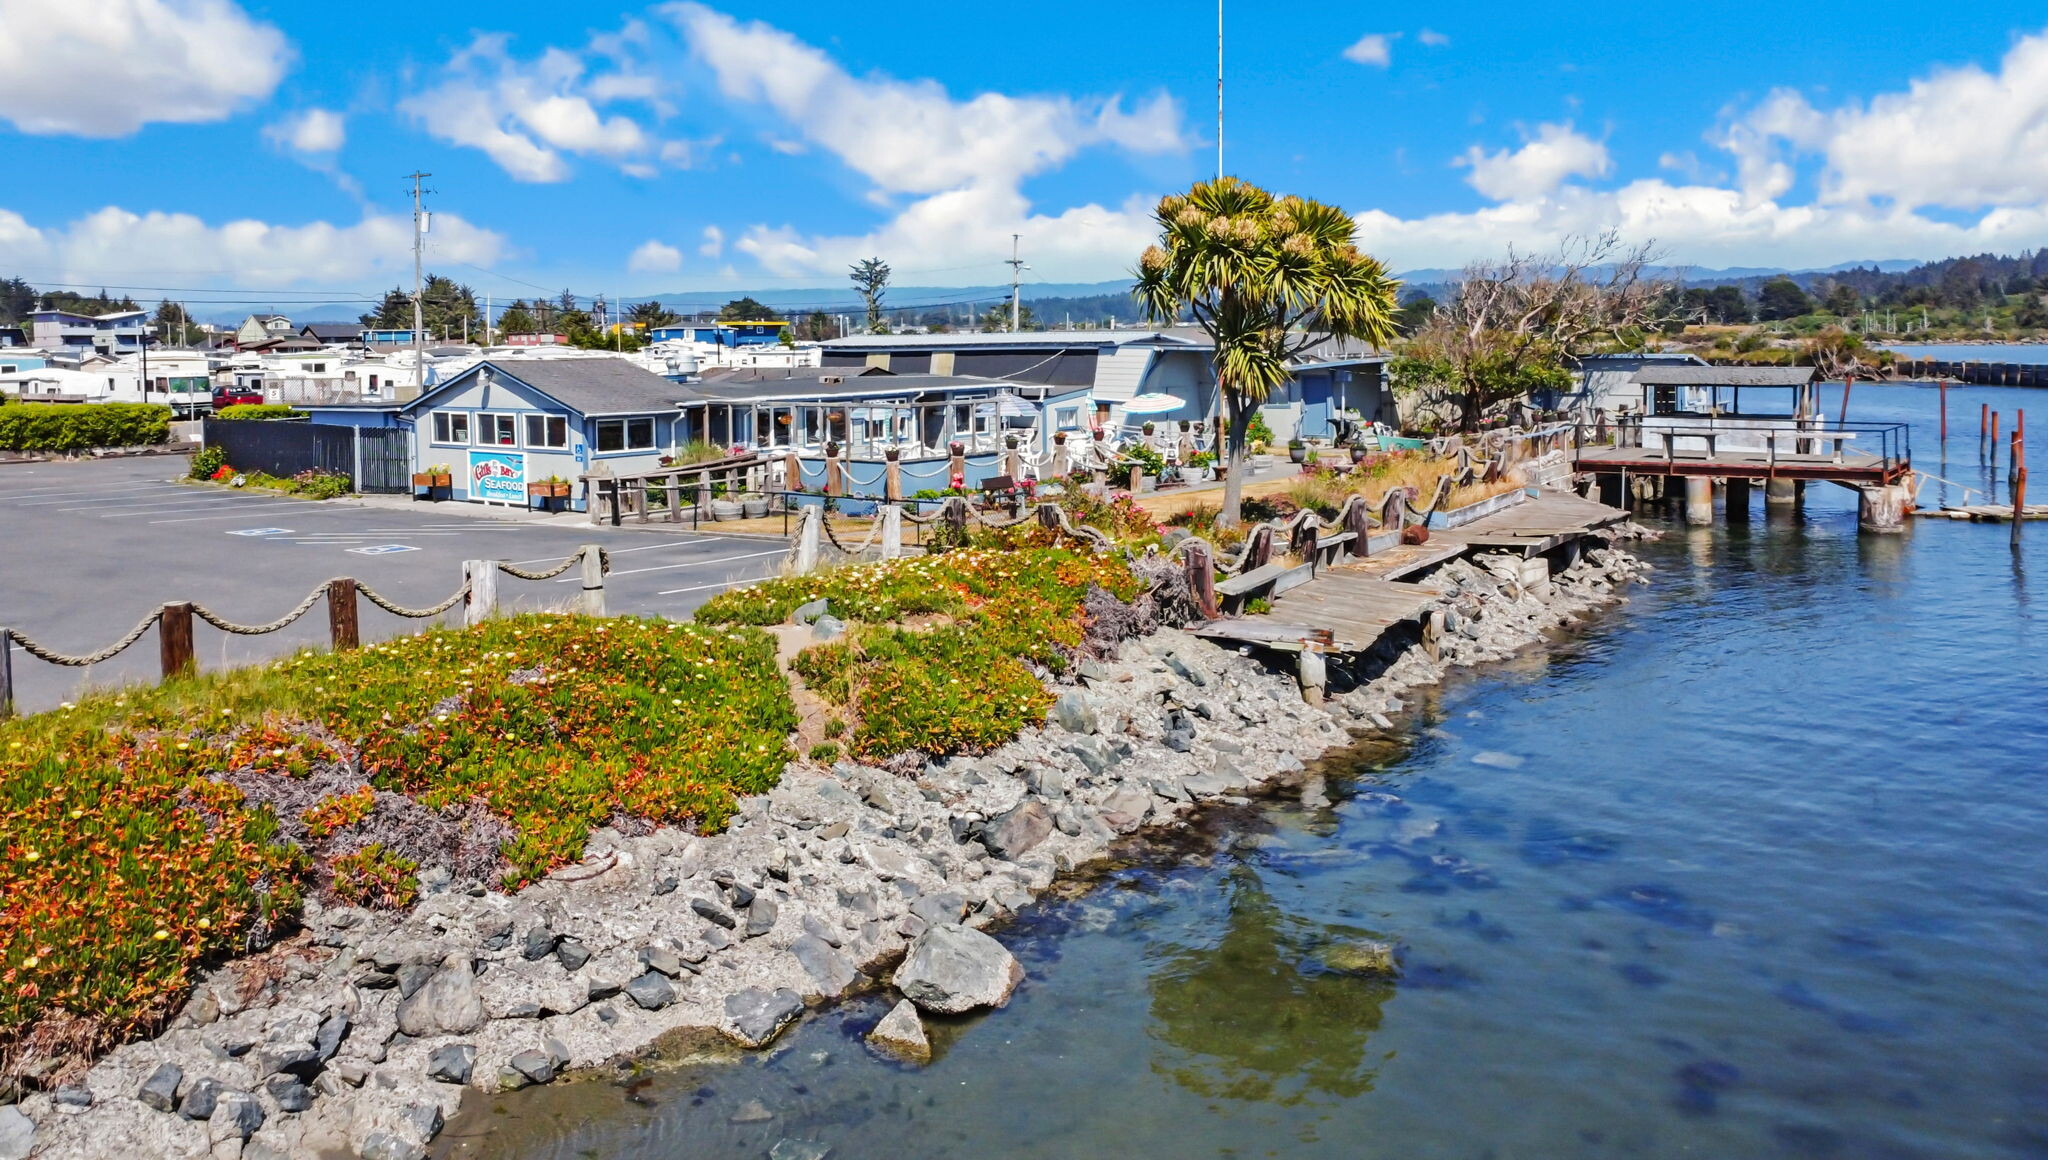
point(691, 564)
point(143, 505)
point(204, 507)
point(47, 492)
point(707, 587)
point(233, 515)
point(615, 551)
point(114, 497)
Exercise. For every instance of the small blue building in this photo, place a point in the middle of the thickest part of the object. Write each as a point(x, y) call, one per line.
point(735, 334)
point(499, 426)
point(373, 337)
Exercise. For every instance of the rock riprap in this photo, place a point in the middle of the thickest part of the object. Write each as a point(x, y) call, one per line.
point(954, 968)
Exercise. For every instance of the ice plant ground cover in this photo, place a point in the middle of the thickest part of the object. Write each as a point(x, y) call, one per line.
point(147, 833)
point(965, 679)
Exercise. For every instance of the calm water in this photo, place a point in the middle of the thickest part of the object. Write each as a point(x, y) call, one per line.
point(1752, 868)
point(2022, 352)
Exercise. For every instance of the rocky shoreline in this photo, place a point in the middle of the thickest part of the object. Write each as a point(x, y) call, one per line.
point(360, 1036)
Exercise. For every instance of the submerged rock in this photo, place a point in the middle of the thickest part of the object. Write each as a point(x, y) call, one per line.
point(953, 968)
point(759, 1015)
point(900, 1035)
point(1362, 957)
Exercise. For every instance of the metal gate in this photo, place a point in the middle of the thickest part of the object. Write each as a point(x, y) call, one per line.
point(384, 458)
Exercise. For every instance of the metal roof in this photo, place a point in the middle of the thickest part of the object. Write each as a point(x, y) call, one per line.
point(1706, 376)
point(836, 383)
point(966, 340)
point(588, 386)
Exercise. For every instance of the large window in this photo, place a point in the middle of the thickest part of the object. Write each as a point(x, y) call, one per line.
point(451, 427)
point(547, 431)
point(496, 430)
point(625, 434)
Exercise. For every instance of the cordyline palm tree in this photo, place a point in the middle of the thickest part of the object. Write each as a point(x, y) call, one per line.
point(1266, 277)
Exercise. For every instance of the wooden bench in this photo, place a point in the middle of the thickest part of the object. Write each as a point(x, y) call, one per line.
point(1235, 591)
point(998, 490)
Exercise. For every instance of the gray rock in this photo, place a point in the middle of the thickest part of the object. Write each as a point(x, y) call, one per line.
point(712, 912)
point(660, 958)
point(497, 933)
point(820, 929)
point(333, 1030)
point(761, 916)
point(651, 991)
point(601, 989)
point(449, 1003)
point(385, 1146)
point(759, 1015)
point(199, 1100)
point(435, 880)
point(17, 1134)
point(954, 968)
point(1126, 808)
point(160, 1090)
point(940, 909)
point(827, 628)
point(240, 1111)
point(290, 1094)
point(536, 1066)
point(540, 943)
point(716, 938)
point(294, 1059)
point(425, 1120)
point(572, 954)
point(413, 976)
point(832, 971)
point(72, 1100)
point(666, 885)
point(794, 1149)
point(1051, 780)
point(751, 1112)
point(900, 1035)
point(1093, 671)
point(1186, 671)
point(452, 1063)
point(1075, 713)
point(1367, 957)
point(1011, 834)
point(809, 613)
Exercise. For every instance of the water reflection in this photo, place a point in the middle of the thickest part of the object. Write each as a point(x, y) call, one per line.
point(1266, 1013)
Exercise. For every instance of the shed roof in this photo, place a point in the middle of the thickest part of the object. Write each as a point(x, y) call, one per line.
point(588, 386)
point(767, 383)
point(1023, 339)
point(1708, 376)
point(333, 331)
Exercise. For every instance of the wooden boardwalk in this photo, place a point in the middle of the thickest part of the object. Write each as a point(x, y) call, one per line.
point(1349, 606)
point(1848, 467)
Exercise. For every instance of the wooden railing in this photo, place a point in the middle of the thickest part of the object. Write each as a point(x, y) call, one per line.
point(615, 497)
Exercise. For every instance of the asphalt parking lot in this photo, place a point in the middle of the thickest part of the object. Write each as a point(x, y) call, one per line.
point(87, 549)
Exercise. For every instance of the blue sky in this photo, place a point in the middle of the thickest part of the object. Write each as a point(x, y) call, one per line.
point(258, 146)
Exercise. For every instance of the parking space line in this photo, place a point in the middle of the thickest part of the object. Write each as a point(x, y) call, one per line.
point(114, 497)
point(690, 564)
point(144, 505)
point(708, 587)
point(612, 552)
point(237, 514)
point(204, 507)
point(46, 492)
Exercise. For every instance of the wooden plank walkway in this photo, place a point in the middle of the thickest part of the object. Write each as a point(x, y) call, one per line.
point(1851, 467)
point(1986, 513)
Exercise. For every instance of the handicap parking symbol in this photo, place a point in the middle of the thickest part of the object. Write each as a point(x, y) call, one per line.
point(261, 532)
point(383, 549)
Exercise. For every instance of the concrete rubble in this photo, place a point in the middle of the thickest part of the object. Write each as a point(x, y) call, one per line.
point(370, 1039)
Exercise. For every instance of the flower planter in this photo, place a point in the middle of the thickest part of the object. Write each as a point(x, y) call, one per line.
point(755, 507)
point(1459, 517)
point(1358, 455)
point(1261, 462)
point(423, 479)
point(548, 490)
point(726, 509)
point(1297, 454)
point(1222, 471)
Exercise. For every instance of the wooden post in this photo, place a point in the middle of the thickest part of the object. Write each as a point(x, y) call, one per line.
point(955, 515)
point(1983, 427)
point(640, 498)
point(892, 475)
point(1699, 500)
point(593, 580)
point(483, 591)
point(1994, 438)
point(1847, 382)
point(1882, 508)
point(1358, 521)
point(174, 640)
point(956, 466)
point(2019, 497)
point(1131, 481)
point(342, 630)
point(835, 483)
point(1013, 460)
point(674, 515)
point(1738, 499)
point(806, 557)
point(792, 471)
point(1202, 580)
point(6, 674)
point(1062, 463)
point(1262, 547)
point(1944, 412)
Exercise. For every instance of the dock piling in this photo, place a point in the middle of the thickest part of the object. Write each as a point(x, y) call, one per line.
point(1699, 500)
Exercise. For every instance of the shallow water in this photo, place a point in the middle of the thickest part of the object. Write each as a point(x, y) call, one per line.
point(1752, 867)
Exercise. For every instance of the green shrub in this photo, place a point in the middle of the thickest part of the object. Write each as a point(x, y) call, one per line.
point(207, 461)
point(376, 877)
point(259, 411)
point(82, 426)
point(825, 752)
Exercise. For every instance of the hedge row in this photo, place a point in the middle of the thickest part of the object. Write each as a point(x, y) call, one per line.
point(259, 411)
point(82, 426)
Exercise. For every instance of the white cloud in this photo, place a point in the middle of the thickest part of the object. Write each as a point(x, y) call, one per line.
point(714, 242)
point(1374, 49)
point(182, 250)
point(315, 131)
point(530, 116)
point(105, 68)
point(1557, 152)
point(653, 257)
point(911, 136)
point(1430, 38)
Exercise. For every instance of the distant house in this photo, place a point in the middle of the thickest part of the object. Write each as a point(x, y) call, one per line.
point(13, 336)
point(1607, 382)
point(333, 333)
point(764, 333)
point(372, 336)
point(119, 332)
point(258, 328)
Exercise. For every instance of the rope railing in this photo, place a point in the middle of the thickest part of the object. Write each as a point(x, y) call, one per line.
point(173, 619)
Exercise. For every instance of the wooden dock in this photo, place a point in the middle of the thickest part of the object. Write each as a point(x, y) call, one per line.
point(1348, 607)
point(1985, 513)
point(1838, 467)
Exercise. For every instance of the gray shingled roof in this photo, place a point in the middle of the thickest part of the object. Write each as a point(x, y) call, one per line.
point(597, 386)
point(771, 384)
point(1697, 376)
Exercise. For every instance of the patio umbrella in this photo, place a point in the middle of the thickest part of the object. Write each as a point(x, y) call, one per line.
point(1009, 406)
point(1153, 403)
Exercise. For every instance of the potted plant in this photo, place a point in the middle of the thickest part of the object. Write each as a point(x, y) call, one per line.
point(553, 487)
point(438, 477)
point(1297, 451)
point(724, 507)
point(753, 505)
point(1358, 453)
point(1147, 428)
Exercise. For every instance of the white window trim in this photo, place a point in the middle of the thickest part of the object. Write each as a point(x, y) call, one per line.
point(545, 418)
point(653, 436)
point(469, 433)
point(481, 418)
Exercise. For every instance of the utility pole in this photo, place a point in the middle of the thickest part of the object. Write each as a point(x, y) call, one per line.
point(419, 290)
point(1017, 268)
point(1219, 90)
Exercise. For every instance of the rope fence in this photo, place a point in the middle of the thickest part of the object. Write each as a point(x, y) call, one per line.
point(173, 620)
